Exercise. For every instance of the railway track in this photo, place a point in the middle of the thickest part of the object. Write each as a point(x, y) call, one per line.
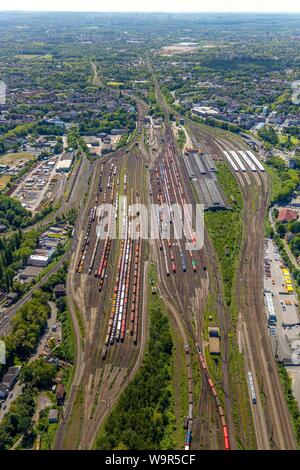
point(114, 177)
point(169, 187)
point(273, 425)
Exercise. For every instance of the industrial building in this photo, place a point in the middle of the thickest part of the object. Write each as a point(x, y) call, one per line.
point(205, 111)
point(64, 166)
point(202, 171)
point(29, 273)
point(65, 163)
point(39, 260)
point(9, 379)
point(92, 141)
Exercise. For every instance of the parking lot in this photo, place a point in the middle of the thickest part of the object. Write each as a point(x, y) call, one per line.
point(278, 281)
point(39, 184)
point(285, 330)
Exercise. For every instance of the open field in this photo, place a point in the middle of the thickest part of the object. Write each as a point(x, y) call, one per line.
point(181, 48)
point(16, 158)
point(33, 56)
point(4, 179)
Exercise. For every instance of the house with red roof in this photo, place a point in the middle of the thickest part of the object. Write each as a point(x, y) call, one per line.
point(287, 215)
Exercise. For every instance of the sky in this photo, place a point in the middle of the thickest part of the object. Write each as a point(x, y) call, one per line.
point(262, 6)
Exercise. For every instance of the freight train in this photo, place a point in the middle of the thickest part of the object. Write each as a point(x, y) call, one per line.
point(203, 366)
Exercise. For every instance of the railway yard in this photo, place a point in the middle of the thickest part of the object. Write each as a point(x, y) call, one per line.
point(150, 234)
point(222, 405)
point(108, 284)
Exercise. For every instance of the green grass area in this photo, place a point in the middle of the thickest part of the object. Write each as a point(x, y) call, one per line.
point(46, 57)
point(16, 158)
point(229, 185)
point(80, 320)
point(4, 180)
point(66, 350)
point(181, 138)
point(179, 387)
point(74, 425)
point(44, 430)
point(225, 229)
point(275, 182)
point(226, 232)
point(143, 417)
point(48, 437)
point(114, 84)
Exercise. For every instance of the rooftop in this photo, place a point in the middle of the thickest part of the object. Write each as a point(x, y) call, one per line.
point(287, 215)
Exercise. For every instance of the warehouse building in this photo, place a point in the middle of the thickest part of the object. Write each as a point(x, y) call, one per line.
point(92, 141)
point(65, 163)
point(39, 260)
point(64, 166)
point(29, 273)
point(9, 379)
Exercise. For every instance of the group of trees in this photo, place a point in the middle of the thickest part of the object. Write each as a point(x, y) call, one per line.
point(142, 415)
point(18, 421)
point(12, 213)
point(65, 350)
point(120, 118)
point(39, 373)
point(35, 376)
point(14, 252)
point(294, 228)
point(289, 179)
point(268, 134)
point(27, 327)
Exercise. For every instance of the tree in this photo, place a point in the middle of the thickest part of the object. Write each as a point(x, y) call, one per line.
point(281, 230)
point(40, 374)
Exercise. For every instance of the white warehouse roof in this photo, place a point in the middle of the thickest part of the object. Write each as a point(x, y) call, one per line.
point(64, 164)
point(39, 258)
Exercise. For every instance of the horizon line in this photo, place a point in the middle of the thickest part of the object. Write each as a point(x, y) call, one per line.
point(155, 12)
